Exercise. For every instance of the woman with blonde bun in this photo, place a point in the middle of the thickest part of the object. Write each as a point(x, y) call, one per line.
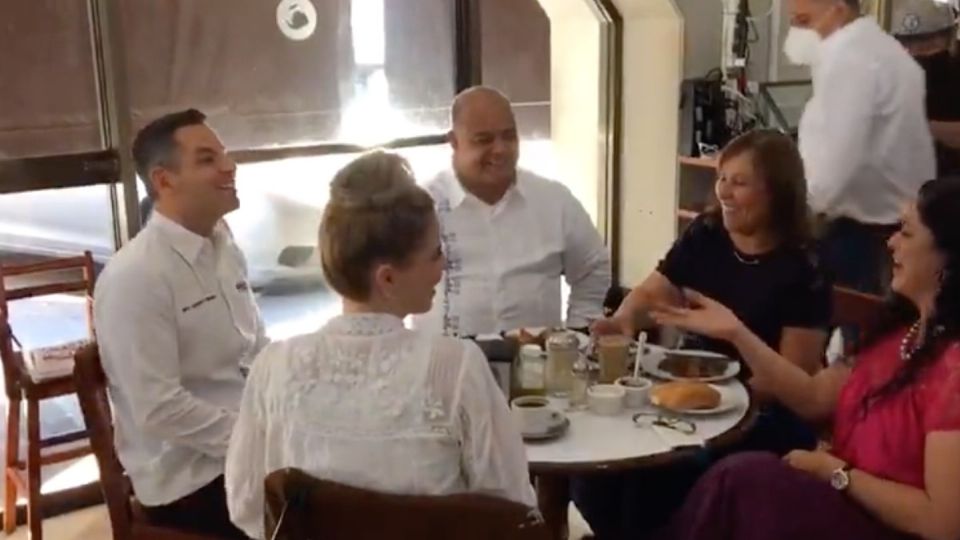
point(364, 401)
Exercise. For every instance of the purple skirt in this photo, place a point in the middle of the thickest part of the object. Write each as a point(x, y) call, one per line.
point(755, 496)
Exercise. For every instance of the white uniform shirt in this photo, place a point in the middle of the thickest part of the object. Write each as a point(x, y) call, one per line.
point(864, 137)
point(175, 319)
point(504, 262)
point(368, 403)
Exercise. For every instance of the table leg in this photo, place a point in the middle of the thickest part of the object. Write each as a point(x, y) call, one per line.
point(553, 497)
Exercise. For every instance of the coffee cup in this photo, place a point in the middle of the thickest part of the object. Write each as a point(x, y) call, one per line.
point(535, 414)
point(637, 390)
point(605, 399)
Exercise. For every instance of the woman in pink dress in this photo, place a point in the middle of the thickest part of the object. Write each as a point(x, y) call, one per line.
point(893, 470)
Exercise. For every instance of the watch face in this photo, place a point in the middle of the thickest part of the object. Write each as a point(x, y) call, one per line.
point(839, 480)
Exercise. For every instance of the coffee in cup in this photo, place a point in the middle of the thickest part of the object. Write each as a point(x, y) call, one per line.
point(535, 414)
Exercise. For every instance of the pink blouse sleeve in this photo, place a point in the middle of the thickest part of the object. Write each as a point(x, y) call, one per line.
point(943, 413)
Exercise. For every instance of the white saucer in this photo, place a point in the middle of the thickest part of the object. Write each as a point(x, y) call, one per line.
point(553, 431)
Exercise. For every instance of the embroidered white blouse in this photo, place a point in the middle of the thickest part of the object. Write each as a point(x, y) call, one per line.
point(369, 403)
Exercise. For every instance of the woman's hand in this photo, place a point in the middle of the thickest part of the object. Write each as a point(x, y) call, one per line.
point(819, 463)
point(703, 316)
point(617, 324)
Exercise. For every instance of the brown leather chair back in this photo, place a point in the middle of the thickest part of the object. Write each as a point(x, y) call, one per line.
point(307, 508)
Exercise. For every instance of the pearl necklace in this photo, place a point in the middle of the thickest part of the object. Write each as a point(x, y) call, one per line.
point(909, 345)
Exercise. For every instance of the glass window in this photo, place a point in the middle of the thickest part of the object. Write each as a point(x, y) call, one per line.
point(277, 227)
point(369, 71)
point(54, 223)
point(48, 94)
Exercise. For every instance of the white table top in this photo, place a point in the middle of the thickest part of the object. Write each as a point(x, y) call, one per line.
point(593, 439)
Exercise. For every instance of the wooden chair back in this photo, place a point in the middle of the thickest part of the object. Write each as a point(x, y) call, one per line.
point(13, 368)
point(126, 521)
point(854, 309)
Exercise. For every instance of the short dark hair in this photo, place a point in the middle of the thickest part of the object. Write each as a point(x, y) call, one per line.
point(154, 144)
point(777, 161)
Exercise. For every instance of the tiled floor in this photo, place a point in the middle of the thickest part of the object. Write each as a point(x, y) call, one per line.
point(93, 524)
point(88, 524)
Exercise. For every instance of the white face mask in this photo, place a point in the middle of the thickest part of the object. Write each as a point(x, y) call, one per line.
point(802, 45)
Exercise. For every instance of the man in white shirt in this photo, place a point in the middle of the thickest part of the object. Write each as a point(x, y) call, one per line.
point(509, 234)
point(864, 136)
point(175, 321)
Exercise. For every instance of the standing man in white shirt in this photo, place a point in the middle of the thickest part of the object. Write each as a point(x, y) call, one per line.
point(508, 234)
point(864, 137)
point(176, 319)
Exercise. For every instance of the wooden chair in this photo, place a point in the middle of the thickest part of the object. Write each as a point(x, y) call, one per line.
point(854, 309)
point(28, 380)
point(126, 518)
point(308, 508)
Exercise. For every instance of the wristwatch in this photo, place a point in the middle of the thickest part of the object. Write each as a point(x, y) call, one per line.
point(840, 478)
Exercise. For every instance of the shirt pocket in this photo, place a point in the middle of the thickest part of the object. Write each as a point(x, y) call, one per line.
point(200, 315)
point(240, 301)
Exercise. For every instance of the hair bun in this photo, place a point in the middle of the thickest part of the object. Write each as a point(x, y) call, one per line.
point(374, 181)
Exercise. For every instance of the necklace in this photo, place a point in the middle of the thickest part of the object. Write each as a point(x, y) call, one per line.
point(753, 261)
point(909, 345)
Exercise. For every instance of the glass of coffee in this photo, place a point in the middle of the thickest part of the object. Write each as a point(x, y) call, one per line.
point(613, 351)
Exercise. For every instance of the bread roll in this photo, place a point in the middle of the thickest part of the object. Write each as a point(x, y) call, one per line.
point(684, 395)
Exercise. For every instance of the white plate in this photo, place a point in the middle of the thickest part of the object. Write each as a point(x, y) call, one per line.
point(655, 354)
point(729, 400)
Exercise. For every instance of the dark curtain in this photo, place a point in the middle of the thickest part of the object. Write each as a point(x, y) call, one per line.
point(515, 38)
point(48, 95)
point(420, 51)
point(229, 59)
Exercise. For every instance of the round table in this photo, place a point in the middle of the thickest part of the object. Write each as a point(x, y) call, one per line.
point(602, 444)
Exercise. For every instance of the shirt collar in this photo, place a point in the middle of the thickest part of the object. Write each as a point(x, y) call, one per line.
point(186, 242)
point(457, 194)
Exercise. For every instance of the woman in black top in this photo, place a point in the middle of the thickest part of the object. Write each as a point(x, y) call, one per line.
point(754, 252)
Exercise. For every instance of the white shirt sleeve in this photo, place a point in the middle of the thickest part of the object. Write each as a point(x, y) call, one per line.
point(835, 148)
point(137, 334)
point(495, 460)
point(586, 264)
point(246, 459)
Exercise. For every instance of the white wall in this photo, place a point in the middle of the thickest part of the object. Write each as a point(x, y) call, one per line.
point(652, 72)
point(576, 100)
